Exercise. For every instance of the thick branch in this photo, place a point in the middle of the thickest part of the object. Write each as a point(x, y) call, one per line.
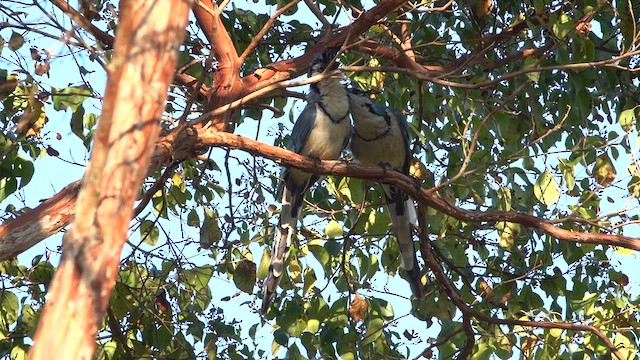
point(409, 185)
point(227, 85)
point(84, 22)
point(50, 217)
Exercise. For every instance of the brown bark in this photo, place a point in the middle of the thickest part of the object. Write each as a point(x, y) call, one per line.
point(48, 218)
point(139, 75)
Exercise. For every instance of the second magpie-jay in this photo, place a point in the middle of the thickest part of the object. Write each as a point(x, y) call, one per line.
point(381, 136)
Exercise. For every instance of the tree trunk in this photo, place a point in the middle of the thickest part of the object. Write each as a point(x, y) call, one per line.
point(143, 65)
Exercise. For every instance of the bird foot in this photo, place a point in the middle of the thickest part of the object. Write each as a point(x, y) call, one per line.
point(386, 167)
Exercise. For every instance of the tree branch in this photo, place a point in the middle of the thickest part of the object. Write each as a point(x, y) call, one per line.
point(451, 292)
point(54, 214)
point(265, 28)
point(409, 185)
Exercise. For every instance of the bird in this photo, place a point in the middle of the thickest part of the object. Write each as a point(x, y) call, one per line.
point(321, 132)
point(381, 136)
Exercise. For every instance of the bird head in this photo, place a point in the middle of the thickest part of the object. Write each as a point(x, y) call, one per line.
point(358, 97)
point(324, 61)
point(360, 101)
point(357, 91)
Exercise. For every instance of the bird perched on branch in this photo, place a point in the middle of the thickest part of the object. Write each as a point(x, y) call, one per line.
point(321, 132)
point(381, 136)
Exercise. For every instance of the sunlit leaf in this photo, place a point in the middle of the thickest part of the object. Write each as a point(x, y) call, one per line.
point(70, 97)
point(263, 266)
point(546, 189)
point(310, 279)
point(627, 119)
point(374, 330)
point(333, 230)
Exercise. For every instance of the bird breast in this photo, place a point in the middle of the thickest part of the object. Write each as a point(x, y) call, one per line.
point(389, 149)
point(327, 139)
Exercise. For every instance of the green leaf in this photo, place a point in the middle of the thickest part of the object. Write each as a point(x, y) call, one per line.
point(10, 306)
point(604, 172)
point(296, 327)
point(280, 337)
point(16, 41)
point(8, 185)
point(198, 277)
point(561, 25)
point(374, 330)
point(244, 275)
point(210, 232)
point(530, 62)
point(23, 169)
point(77, 122)
point(546, 189)
point(71, 97)
point(309, 279)
point(567, 170)
point(627, 119)
point(586, 304)
point(149, 232)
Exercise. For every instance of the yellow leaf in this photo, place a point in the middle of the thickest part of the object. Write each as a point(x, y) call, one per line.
point(333, 230)
point(176, 180)
point(418, 170)
point(603, 171)
point(625, 251)
point(546, 189)
point(309, 279)
point(295, 271)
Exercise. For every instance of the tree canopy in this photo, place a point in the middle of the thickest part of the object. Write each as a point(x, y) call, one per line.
point(526, 178)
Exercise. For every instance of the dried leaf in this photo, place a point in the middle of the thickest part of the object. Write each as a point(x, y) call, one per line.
point(484, 7)
point(358, 308)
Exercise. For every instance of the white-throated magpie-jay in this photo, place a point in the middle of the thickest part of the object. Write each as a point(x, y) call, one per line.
point(321, 131)
point(381, 136)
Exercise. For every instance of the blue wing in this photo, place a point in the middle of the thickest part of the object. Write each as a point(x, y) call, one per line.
point(302, 128)
point(404, 130)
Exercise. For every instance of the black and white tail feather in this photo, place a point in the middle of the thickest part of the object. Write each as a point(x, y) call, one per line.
point(321, 131)
point(381, 136)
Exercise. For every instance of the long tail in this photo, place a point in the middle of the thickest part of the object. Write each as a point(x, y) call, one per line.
point(281, 245)
point(402, 213)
